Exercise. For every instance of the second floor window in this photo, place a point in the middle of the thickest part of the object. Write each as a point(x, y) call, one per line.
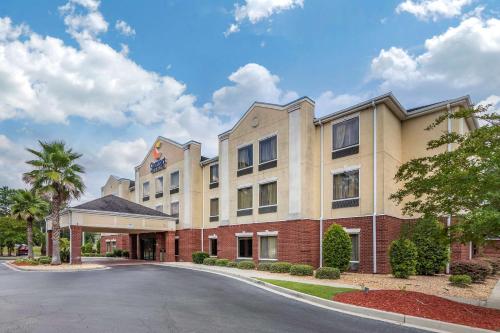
point(214, 173)
point(245, 201)
point(345, 134)
point(346, 189)
point(214, 209)
point(268, 198)
point(174, 180)
point(145, 191)
point(174, 209)
point(159, 185)
point(268, 150)
point(245, 157)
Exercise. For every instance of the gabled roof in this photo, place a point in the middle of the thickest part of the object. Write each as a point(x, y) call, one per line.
point(113, 204)
point(173, 142)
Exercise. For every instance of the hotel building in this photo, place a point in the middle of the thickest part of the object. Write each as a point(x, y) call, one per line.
point(281, 178)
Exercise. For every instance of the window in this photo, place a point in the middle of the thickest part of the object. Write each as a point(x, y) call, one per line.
point(145, 191)
point(214, 174)
point(174, 209)
point(268, 248)
point(159, 208)
point(245, 160)
point(174, 182)
point(245, 201)
point(268, 153)
point(268, 198)
point(108, 246)
point(354, 264)
point(214, 209)
point(213, 247)
point(346, 189)
point(244, 247)
point(159, 187)
point(176, 246)
point(345, 138)
point(113, 245)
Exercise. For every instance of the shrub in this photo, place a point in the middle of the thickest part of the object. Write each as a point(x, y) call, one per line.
point(221, 262)
point(247, 264)
point(280, 267)
point(264, 266)
point(44, 260)
point(209, 261)
point(232, 264)
point(327, 273)
point(26, 262)
point(64, 249)
point(199, 256)
point(301, 270)
point(125, 254)
point(87, 248)
point(117, 252)
point(432, 247)
point(494, 263)
point(110, 254)
point(337, 248)
point(403, 257)
point(460, 280)
point(477, 270)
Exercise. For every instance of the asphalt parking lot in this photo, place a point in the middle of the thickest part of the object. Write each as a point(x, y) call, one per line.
point(148, 298)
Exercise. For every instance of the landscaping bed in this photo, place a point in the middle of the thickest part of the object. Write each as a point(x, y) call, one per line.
point(423, 305)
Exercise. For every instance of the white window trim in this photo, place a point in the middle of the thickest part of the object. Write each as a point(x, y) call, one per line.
point(170, 179)
point(277, 150)
point(241, 187)
point(268, 181)
point(355, 231)
point(209, 169)
point(214, 236)
point(348, 169)
point(243, 235)
point(210, 205)
point(341, 120)
point(268, 234)
point(237, 156)
point(162, 184)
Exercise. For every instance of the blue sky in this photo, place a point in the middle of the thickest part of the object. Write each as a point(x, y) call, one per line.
point(108, 77)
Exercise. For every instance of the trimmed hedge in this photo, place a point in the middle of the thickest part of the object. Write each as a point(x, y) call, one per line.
point(221, 262)
point(44, 260)
point(209, 261)
point(125, 254)
point(337, 248)
point(233, 264)
point(247, 264)
point(26, 261)
point(199, 256)
point(264, 266)
point(280, 267)
point(432, 247)
point(460, 280)
point(327, 273)
point(302, 270)
point(477, 270)
point(403, 257)
point(117, 252)
point(494, 263)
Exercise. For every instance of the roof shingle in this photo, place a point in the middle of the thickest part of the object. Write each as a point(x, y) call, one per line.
point(112, 203)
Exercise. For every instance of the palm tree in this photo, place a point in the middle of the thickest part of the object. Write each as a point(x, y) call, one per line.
point(28, 206)
point(56, 175)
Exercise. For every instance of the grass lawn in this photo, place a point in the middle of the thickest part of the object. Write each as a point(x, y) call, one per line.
point(325, 292)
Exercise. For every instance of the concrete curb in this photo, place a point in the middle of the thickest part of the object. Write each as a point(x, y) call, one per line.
point(395, 318)
point(19, 269)
point(494, 299)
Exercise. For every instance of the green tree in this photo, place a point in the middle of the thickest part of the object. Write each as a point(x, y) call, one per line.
point(463, 182)
point(57, 176)
point(5, 200)
point(337, 248)
point(12, 232)
point(403, 258)
point(28, 206)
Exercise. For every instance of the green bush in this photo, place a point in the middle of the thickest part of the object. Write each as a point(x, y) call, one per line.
point(209, 261)
point(280, 267)
point(87, 248)
point(26, 262)
point(110, 254)
point(403, 257)
point(477, 270)
point(221, 262)
point(64, 249)
point(232, 264)
point(199, 256)
point(493, 262)
point(264, 266)
point(247, 264)
point(327, 273)
point(337, 248)
point(302, 270)
point(117, 252)
point(125, 254)
point(460, 280)
point(44, 260)
point(429, 237)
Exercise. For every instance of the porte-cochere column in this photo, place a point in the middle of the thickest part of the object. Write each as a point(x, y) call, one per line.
point(75, 245)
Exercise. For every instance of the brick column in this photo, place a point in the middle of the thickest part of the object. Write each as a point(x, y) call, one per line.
point(133, 246)
point(160, 246)
point(49, 243)
point(170, 246)
point(138, 246)
point(75, 244)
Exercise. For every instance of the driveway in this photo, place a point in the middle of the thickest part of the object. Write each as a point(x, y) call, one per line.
point(147, 298)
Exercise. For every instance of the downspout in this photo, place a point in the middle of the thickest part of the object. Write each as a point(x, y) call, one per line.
point(202, 207)
point(448, 221)
point(321, 198)
point(374, 215)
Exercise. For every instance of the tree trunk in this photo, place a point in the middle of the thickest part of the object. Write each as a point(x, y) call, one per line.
point(29, 228)
point(56, 232)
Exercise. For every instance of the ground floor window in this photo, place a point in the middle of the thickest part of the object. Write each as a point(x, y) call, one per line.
point(268, 247)
point(245, 247)
point(108, 247)
point(355, 251)
point(176, 251)
point(213, 247)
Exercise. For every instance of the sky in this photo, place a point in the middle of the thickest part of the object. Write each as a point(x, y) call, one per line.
point(108, 77)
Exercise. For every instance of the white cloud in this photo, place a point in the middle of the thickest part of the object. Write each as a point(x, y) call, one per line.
point(124, 28)
point(252, 82)
point(12, 163)
point(120, 157)
point(258, 10)
point(462, 60)
point(83, 19)
point(328, 102)
point(433, 9)
point(9, 32)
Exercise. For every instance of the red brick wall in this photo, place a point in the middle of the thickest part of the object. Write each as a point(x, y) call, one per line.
point(189, 242)
point(122, 242)
point(76, 244)
point(491, 249)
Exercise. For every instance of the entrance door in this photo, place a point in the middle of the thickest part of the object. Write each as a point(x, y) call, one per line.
point(148, 247)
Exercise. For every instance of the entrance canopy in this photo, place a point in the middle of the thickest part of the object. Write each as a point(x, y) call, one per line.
point(115, 215)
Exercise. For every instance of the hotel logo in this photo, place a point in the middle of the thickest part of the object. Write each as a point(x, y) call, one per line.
point(159, 163)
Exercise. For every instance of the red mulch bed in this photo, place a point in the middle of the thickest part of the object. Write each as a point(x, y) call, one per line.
point(23, 264)
point(422, 305)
